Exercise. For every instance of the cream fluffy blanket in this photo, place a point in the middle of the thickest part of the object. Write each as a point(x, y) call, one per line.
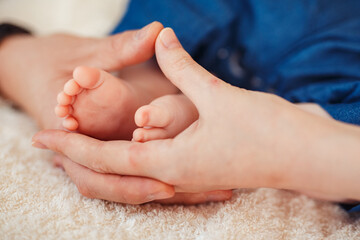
point(38, 201)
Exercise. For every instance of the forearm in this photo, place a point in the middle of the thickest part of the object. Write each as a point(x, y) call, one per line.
point(324, 158)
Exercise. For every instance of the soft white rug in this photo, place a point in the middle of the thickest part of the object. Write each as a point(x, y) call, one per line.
point(38, 201)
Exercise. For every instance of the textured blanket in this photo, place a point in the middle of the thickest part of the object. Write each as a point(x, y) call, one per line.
point(38, 201)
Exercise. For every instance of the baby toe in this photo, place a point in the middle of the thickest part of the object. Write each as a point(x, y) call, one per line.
point(62, 111)
point(64, 99)
point(70, 123)
point(88, 77)
point(72, 88)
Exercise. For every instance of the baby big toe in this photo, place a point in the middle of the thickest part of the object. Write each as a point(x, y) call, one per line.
point(152, 116)
point(88, 77)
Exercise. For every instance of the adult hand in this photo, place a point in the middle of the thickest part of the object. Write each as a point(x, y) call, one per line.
point(242, 138)
point(34, 69)
point(131, 189)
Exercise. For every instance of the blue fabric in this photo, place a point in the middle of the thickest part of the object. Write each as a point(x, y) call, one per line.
point(351, 207)
point(355, 209)
point(302, 50)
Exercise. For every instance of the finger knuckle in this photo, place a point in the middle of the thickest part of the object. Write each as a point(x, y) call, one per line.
point(109, 49)
point(125, 195)
point(85, 190)
point(136, 155)
point(97, 162)
point(62, 146)
point(114, 44)
point(183, 62)
point(117, 194)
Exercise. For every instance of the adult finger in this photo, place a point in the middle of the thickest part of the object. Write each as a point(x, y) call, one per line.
point(197, 198)
point(119, 157)
point(141, 197)
point(57, 160)
point(178, 66)
point(123, 189)
point(125, 49)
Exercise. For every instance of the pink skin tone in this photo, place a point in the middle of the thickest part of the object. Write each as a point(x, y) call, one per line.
point(165, 117)
point(96, 94)
point(49, 62)
point(103, 105)
point(37, 95)
point(264, 142)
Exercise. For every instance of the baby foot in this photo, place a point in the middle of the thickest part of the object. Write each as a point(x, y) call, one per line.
point(99, 104)
point(165, 117)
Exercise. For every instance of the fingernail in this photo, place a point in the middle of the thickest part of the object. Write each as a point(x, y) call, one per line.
point(169, 39)
point(158, 196)
point(142, 32)
point(38, 145)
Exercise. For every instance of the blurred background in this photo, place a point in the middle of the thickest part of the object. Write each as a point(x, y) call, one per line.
point(92, 18)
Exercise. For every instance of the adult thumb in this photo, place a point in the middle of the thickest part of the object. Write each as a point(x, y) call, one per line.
point(126, 49)
point(178, 66)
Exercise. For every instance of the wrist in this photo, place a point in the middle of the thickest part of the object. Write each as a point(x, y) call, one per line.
point(321, 157)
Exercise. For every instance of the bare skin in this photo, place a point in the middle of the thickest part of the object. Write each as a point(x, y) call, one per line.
point(167, 116)
point(38, 96)
point(36, 93)
point(265, 142)
point(102, 105)
point(33, 70)
point(164, 117)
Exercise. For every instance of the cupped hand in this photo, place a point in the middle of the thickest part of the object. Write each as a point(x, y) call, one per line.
point(33, 70)
point(48, 62)
point(130, 189)
point(238, 140)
